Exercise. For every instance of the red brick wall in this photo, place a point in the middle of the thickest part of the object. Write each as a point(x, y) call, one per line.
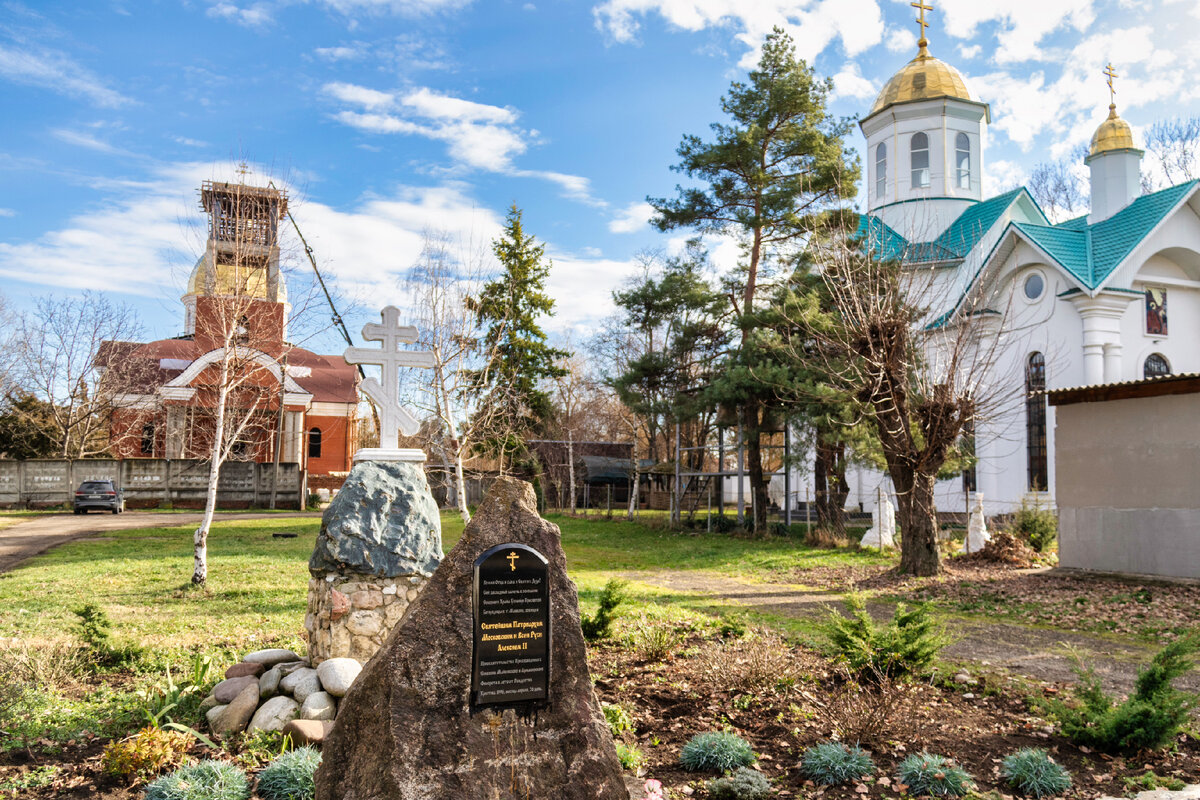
point(337, 444)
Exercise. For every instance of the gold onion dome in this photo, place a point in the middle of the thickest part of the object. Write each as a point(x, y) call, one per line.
point(1113, 134)
point(923, 78)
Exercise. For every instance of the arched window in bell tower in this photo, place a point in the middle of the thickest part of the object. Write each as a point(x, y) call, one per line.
point(962, 160)
point(880, 171)
point(1035, 422)
point(919, 149)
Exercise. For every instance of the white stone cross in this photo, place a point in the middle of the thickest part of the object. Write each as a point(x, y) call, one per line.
point(394, 419)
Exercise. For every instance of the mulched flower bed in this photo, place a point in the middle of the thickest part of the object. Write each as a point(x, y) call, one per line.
point(728, 685)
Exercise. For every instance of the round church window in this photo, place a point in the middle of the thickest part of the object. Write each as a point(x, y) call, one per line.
point(1035, 284)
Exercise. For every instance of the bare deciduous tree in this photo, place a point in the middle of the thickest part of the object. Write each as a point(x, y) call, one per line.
point(1058, 189)
point(54, 351)
point(447, 274)
point(920, 356)
point(1173, 151)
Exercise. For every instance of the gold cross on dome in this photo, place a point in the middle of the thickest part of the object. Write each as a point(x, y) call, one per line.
point(920, 5)
point(1112, 92)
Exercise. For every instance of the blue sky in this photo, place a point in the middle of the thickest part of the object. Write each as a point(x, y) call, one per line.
point(386, 118)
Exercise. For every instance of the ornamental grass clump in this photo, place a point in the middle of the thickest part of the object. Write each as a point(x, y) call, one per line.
point(1148, 719)
point(934, 775)
point(718, 751)
point(208, 780)
point(290, 777)
point(833, 763)
point(743, 784)
point(1033, 773)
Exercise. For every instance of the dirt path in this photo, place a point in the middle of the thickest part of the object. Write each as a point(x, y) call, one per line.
point(26, 539)
point(1040, 653)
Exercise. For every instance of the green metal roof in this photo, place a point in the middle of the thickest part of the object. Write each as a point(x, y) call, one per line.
point(1093, 252)
point(966, 231)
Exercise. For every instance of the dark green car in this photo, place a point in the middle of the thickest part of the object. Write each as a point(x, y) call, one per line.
point(103, 495)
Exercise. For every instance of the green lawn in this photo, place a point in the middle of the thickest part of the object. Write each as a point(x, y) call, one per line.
point(257, 584)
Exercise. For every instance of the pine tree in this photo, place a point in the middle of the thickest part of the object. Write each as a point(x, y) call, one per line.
point(779, 160)
point(509, 309)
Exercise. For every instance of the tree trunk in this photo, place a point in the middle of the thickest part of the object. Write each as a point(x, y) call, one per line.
point(917, 515)
point(460, 487)
point(758, 483)
point(200, 538)
point(829, 478)
point(838, 489)
point(571, 467)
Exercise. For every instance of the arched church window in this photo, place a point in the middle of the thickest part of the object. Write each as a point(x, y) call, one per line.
point(1035, 422)
point(314, 443)
point(962, 160)
point(880, 171)
point(920, 160)
point(1156, 366)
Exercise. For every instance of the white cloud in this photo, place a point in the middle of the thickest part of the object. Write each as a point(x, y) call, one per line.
point(341, 53)
point(814, 24)
point(850, 83)
point(7, 212)
point(582, 289)
point(355, 95)
point(1001, 175)
point(632, 218)
point(145, 236)
point(1023, 24)
point(477, 135)
point(188, 142)
point(251, 16)
point(49, 69)
point(970, 51)
point(901, 40)
point(88, 142)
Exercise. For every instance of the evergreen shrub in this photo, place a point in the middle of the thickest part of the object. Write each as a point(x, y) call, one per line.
point(1036, 524)
point(290, 776)
point(719, 751)
point(937, 776)
point(1148, 719)
point(1033, 773)
point(207, 780)
point(744, 784)
point(908, 645)
point(833, 763)
point(600, 626)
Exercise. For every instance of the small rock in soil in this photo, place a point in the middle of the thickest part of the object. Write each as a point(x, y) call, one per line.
point(243, 668)
point(230, 688)
point(307, 731)
point(268, 684)
point(270, 658)
point(337, 674)
point(274, 714)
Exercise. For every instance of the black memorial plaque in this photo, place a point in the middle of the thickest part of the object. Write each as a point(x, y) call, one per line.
point(511, 664)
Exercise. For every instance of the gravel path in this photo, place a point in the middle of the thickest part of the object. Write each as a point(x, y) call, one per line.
point(1040, 653)
point(38, 534)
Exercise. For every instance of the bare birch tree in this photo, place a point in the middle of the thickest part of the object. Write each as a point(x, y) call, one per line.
point(440, 284)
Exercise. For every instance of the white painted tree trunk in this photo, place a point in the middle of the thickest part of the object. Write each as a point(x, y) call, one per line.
point(460, 482)
point(200, 539)
point(571, 466)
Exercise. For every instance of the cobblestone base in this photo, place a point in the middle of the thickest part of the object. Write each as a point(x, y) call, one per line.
point(350, 615)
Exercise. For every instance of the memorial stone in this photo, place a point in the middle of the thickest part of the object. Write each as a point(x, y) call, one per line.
point(413, 726)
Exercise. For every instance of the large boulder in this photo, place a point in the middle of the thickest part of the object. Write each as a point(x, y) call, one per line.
point(383, 522)
point(406, 729)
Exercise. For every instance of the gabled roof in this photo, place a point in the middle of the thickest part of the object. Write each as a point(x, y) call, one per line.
point(966, 231)
point(1093, 252)
point(952, 245)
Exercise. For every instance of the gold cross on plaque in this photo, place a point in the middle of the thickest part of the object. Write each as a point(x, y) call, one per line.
point(1112, 92)
point(512, 561)
point(920, 5)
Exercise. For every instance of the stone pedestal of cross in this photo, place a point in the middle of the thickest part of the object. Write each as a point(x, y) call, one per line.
point(394, 419)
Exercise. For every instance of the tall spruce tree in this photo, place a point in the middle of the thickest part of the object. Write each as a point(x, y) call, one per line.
point(509, 308)
point(779, 159)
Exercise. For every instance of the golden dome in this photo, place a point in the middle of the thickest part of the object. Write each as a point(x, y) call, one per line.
point(1113, 134)
point(231, 280)
point(923, 78)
